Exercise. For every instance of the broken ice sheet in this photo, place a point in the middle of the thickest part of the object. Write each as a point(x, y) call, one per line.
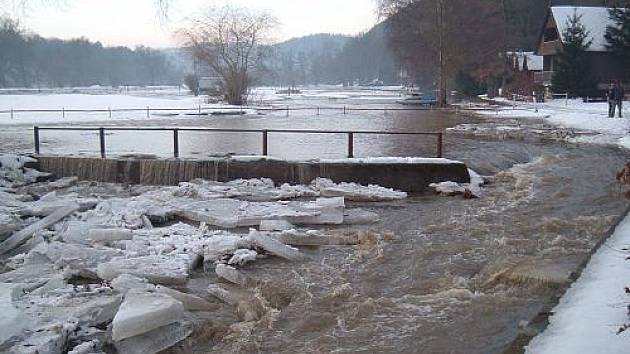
point(142, 312)
point(356, 192)
point(156, 269)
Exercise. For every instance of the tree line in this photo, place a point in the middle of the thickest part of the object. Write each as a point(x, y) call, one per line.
point(28, 60)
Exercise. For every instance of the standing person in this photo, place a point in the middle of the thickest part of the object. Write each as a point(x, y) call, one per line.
point(609, 98)
point(618, 96)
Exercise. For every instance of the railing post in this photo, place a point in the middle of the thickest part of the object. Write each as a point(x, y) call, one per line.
point(176, 143)
point(199, 112)
point(101, 136)
point(11, 113)
point(317, 110)
point(350, 145)
point(148, 110)
point(110, 112)
point(36, 139)
point(63, 112)
point(287, 110)
point(439, 145)
point(344, 110)
point(265, 145)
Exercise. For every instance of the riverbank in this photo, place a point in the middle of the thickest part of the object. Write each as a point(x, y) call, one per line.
point(592, 315)
point(590, 119)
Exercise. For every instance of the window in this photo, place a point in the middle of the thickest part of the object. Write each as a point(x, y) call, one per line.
point(551, 34)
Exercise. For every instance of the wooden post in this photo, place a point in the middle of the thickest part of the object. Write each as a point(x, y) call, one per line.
point(317, 110)
point(265, 147)
point(287, 110)
point(439, 145)
point(101, 136)
point(199, 110)
point(63, 112)
point(148, 110)
point(176, 143)
point(350, 145)
point(110, 112)
point(36, 139)
point(11, 113)
point(566, 99)
point(344, 110)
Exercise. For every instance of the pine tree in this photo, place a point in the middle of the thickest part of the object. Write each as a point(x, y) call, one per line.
point(573, 69)
point(618, 37)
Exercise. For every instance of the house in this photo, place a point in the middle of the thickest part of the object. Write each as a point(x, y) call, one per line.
point(523, 68)
point(595, 19)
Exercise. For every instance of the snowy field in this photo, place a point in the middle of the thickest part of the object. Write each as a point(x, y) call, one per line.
point(573, 114)
point(164, 103)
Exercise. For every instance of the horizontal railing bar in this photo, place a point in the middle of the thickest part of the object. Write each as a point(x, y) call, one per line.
point(229, 130)
point(210, 109)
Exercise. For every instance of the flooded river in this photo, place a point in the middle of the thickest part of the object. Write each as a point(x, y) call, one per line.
point(435, 274)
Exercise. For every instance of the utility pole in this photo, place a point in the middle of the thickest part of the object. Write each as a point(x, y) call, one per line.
point(442, 59)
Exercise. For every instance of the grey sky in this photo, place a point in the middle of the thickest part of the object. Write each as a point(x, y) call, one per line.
point(133, 22)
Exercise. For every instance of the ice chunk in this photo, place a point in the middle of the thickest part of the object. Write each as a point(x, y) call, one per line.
point(190, 302)
point(47, 339)
point(233, 275)
point(14, 162)
point(295, 238)
point(142, 312)
point(126, 282)
point(230, 213)
point(275, 247)
point(356, 192)
point(13, 321)
point(359, 217)
point(71, 254)
point(156, 269)
point(22, 236)
point(155, 340)
point(219, 245)
point(91, 347)
point(223, 294)
point(243, 256)
point(275, 225)
point(109, 235)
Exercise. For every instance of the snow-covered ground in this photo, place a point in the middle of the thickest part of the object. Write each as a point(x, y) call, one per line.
point(572, 114)
point(104, 102)
point(594, 309)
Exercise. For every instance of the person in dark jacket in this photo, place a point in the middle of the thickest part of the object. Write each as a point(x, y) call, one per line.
point(611, 102)
point(617, 97)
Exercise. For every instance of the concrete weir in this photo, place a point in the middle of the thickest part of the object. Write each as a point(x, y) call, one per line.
point(407, 174)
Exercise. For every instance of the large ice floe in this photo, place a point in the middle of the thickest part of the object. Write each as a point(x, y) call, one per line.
point(84, 272)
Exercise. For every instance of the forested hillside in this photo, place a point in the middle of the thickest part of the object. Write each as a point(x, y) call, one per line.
point(28, 60)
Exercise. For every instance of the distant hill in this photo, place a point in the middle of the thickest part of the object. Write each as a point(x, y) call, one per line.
point(313, 43)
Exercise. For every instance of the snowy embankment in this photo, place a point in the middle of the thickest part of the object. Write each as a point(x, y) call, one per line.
point(592, 313)
point(64, 104)
point(590, 118)
point(84, 266)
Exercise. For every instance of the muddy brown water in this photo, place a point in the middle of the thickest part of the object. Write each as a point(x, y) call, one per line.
point(443, 282)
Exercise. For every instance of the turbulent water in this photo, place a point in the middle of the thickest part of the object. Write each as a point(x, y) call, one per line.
point(435, 274)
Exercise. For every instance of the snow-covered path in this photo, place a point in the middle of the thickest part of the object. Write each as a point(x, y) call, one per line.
point(573, 114)
point(592, 311)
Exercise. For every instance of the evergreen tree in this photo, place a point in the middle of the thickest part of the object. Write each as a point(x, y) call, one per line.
point(572, 73)
point(618, 37)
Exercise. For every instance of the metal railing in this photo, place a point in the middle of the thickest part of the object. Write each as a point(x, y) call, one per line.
point(200, 110)
point(264, 132)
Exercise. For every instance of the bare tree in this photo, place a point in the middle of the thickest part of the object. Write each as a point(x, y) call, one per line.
point(447, 37)
point(229, 41)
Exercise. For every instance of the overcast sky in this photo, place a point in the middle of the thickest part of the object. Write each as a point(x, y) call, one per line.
point(134, 22)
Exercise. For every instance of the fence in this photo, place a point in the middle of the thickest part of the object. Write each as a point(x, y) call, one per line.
point(263, 132)
point(199, 110)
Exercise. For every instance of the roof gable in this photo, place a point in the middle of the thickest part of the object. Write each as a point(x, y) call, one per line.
point(594, 19)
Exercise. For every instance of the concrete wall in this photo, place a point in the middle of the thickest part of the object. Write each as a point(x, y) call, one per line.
point(409, 177)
